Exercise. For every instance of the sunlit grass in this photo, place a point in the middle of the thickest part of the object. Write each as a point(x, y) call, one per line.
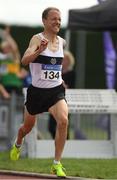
point(91, 168)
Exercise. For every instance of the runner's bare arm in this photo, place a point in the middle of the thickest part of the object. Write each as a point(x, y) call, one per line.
point(36, 46)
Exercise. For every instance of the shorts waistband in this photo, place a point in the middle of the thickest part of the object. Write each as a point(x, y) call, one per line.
point(53, 88)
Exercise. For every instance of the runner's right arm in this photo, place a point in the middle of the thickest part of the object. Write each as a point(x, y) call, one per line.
point(36, 46)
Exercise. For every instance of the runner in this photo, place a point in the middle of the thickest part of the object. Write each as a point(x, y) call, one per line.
point(47, 93)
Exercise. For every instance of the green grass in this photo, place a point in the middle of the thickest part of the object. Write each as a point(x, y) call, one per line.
point(90, 168)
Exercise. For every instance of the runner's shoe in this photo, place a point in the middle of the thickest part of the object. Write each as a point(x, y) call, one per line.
point(15, 153)
point(58, 170)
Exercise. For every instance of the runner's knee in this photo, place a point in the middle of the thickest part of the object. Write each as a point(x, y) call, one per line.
point(63, 122)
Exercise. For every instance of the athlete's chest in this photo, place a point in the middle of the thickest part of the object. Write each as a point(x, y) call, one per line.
point(53, 46)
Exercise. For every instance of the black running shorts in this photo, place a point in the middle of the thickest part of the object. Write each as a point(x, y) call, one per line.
point(39, 100)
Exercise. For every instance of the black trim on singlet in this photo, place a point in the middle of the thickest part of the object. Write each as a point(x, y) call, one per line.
point(48, 60)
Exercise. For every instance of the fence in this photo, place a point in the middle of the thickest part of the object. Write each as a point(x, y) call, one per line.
point(83, 104)
point(80, 102)
point(11, 116)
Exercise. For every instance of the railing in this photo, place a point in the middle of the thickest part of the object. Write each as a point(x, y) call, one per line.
point(11, 116)
point(83, 102)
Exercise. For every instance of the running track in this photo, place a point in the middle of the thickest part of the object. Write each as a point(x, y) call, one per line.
point(4, 174)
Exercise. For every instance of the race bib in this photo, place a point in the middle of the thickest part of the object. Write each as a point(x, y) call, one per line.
point(50, 72)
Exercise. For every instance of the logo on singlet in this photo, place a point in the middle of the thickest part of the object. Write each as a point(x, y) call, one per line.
point(53, 61)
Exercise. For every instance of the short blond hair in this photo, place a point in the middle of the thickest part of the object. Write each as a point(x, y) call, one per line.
point(47, 10)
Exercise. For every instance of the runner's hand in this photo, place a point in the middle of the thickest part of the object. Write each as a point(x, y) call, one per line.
point(43, 45)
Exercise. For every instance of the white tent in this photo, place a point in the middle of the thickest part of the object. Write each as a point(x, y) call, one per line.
point(28, 12)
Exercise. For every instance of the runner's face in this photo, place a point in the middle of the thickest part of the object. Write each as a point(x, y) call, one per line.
point(53, 21)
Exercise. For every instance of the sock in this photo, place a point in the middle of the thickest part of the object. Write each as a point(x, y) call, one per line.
point(17, 145)
point(56, 162)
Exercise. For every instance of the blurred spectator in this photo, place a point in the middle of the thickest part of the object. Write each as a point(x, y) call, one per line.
point(68, 75)
point(10, 72)
point(27, 78)
point(3, 92)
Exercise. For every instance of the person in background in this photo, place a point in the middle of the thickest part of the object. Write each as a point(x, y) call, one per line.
point(44, 55)
point(10, 71)
point(68, 75)
point(27, 80)
point(3, 92)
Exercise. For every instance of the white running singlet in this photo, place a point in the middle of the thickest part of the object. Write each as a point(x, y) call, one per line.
point(46, 69)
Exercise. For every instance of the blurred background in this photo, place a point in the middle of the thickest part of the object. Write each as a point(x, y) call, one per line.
point(92, 41)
